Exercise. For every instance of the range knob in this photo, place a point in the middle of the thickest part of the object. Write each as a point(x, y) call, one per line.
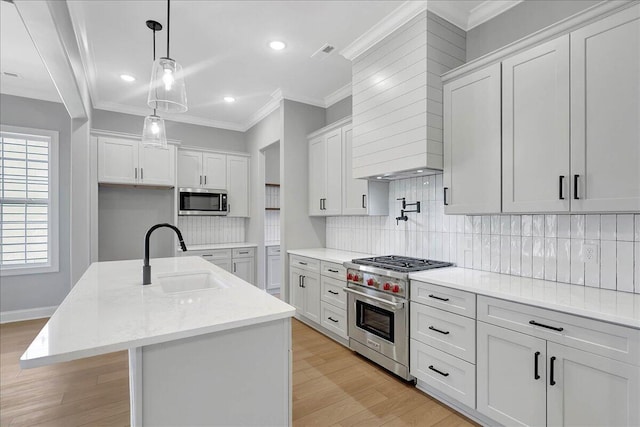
point(395, 289)
point(370, 282)
point(356, 278)
point(387, 286)
point(349, 276)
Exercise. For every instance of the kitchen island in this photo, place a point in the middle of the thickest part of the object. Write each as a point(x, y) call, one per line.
point(205, 347)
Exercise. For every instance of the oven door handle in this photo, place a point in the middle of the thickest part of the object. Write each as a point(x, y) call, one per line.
point(394, 305)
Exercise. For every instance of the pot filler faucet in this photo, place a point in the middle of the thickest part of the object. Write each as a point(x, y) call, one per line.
point(146, 269)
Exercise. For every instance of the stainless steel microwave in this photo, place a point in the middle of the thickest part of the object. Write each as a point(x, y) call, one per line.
point(202, 201)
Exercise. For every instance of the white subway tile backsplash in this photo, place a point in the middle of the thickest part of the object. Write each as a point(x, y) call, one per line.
point(542, 246)
point(201, 230)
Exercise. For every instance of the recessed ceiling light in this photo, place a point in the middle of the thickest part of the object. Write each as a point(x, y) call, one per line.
point(419, 171)
point(127, 78)
point(378, 177)
point(229, 99)
point(277, 45)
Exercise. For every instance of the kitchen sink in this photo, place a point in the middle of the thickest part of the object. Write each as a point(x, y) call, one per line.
point(190, 281)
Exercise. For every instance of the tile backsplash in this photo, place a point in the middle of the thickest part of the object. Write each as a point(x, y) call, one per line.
point(592, 250)
point(200, 230)
point(272, 217)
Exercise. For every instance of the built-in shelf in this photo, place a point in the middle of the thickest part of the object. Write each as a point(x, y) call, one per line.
point(271, 209)
point(272, 185)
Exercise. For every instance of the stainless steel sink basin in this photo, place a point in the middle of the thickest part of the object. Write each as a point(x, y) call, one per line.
point(189, 281)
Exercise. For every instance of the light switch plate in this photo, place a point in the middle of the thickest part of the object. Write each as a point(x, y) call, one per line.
point(590, 253)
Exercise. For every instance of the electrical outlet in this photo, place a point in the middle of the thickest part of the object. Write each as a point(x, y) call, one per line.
point(590, 253)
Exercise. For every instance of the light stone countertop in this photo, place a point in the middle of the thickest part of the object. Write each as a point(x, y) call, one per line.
point(110, 310)
point(330, 255)
point(622, 308)
point(214, 246)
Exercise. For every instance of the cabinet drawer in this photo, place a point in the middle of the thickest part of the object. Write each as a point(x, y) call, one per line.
point(444, 372)
point(606, 339)
point(212, 255)
point(452, 300)
point(334, 319)
point(309, 264)
point(273, 250)
point(331, 269)
point(333, 293)
point(451, 333)
point(243, 252)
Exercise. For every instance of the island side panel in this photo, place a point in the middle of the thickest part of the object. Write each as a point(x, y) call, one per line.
point(236, 377)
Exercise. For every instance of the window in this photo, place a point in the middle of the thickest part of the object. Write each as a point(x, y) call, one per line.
point(28, 201)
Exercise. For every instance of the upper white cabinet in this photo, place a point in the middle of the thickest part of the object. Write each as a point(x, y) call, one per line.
point(605, 114)
point(472, 143)
point(535, 129)
point(125, 161)
point(397, 97)
point(333, 190)
point(237, 168)
point(200, 169)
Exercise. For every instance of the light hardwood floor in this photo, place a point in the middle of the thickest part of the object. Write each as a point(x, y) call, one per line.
point(331, 386)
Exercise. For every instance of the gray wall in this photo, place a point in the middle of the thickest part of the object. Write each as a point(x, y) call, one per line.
point(520, 21)
point(272, 164)
point(339, 110)
point(42, 290)
point(191, 135)
point(126, 214)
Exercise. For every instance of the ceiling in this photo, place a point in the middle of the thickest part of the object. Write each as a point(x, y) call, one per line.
point(18, 55)
point(223, 48)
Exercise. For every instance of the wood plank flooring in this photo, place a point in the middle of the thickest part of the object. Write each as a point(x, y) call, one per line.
point(331, 386)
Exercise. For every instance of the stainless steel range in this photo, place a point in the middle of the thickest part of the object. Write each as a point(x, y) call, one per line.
point(378, 308)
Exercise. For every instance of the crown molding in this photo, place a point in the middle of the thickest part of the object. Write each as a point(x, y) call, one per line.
point(488, 10)
point(265, 110)
point(127, 135)
point(449, 12)
point(338, 95)
point(182, 118)
point(397, 18)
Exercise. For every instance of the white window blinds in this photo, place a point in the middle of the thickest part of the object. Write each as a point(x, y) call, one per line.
point(26, 200)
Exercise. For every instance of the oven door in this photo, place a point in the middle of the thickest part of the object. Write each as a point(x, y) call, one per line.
point(379, 322)
point(196, 201)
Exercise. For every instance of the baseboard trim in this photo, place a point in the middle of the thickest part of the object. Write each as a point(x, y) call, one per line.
point(28, 314)
point(455, 405)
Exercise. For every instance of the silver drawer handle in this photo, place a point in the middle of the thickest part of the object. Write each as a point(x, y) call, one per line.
point(394, 305)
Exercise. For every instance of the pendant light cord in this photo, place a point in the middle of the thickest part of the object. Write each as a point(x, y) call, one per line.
point(168, 24)
point(154, 60)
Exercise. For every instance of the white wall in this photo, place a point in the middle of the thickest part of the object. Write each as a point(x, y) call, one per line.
point(339, 110)
point(539, 246)
point(42, 290)
point(272, 164)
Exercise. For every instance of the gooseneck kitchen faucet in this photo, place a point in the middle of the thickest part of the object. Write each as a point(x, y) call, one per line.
point(146, 268)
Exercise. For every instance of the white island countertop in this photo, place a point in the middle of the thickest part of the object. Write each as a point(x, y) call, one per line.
point(622, 308)
point(214, 246)
point(330, 255)
point(110, 310)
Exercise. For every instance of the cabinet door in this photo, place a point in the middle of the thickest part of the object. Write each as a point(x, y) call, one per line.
point(214, 174)
point(238, 186)
point(244, 269)
point(591, 390)
point(189, 169)
point(225, 264)
point(311, 288)
point(274, 272)
point(117, 161)
point(157, 165)
point(317, 175)
point(508, 389)
point(355, 193)
point(333, 197)
point(535, 129)
point(472, 146)
point(296, 292)
point(605, 107)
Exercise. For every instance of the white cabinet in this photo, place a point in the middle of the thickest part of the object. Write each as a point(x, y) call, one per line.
point(535, 129)
point(124, 161)
point(237, 178)
point(199, 169)
point(244, 268)
point(274, 268)
point(472, 145)
point(605, 110)
point(333, 190)
point(305, 293)
point(325, 175)
point(509, 389)
point(239, 261)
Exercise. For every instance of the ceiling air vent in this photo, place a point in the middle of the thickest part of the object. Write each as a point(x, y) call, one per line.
point(323, 52)
point(8, 74)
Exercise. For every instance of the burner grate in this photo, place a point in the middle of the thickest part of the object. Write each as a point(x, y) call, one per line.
point(401, 264)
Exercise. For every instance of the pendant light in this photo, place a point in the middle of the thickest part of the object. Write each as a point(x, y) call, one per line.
point(167, 91)
point(153, 132)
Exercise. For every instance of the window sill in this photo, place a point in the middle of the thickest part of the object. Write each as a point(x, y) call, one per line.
point(20, 271)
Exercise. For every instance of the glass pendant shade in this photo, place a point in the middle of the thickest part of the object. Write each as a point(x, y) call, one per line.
point(153, 134)
point(167, 91)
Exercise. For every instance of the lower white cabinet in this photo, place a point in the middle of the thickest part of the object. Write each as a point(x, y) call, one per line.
point(274, 268)
point(305, 293)
point(525, 380)
point(334, 319)
point(239, 261)
point(244, 268)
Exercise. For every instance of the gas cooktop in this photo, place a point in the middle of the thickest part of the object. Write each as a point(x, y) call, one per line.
point(401, 264)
